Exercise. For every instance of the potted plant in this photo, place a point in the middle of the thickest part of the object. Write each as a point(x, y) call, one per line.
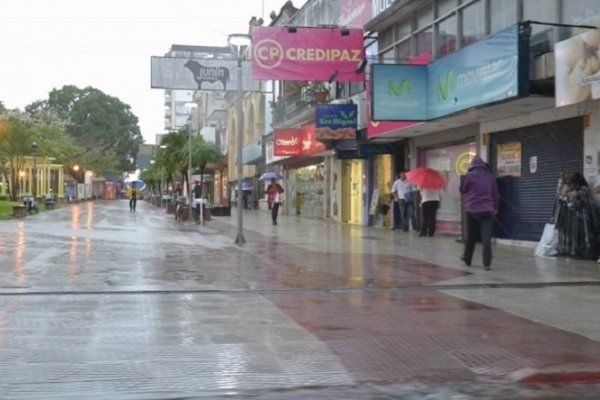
point(318, 91)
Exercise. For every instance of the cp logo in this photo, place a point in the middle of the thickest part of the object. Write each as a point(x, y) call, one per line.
point(268, 54)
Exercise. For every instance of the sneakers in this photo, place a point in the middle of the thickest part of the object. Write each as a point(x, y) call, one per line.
point(462, 258)
point(487, 267)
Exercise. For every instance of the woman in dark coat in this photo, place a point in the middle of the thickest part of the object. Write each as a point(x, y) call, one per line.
point(576, 218)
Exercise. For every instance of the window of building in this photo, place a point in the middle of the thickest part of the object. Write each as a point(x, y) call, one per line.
point(424, 42)
point(446, 37)
point(540, 10)
point(502, 14)
point(424, 17)
point(403, 29)
point(444, 7)
point(580, 12)
point(473, 23)
point(403, 53)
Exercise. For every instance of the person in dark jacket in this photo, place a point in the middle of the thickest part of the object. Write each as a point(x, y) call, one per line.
point(481, 201)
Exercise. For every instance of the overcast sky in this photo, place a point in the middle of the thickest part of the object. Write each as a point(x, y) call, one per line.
point(46, 44)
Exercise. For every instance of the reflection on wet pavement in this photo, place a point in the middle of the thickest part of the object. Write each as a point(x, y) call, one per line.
point(98, 301)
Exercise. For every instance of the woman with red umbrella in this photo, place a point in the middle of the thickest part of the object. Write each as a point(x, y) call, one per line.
point(429, 181)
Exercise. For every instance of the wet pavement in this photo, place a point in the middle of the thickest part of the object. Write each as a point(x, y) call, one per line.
point(99, 302)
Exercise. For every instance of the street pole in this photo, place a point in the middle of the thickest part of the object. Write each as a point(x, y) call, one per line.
point(34, 148)
point(190, 107)
point(240, 240)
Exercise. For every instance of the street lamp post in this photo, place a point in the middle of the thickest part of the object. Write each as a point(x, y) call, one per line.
point(190, 107)
point(239, 42)
point(34, 150)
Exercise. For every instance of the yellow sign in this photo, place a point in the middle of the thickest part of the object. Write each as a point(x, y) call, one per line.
point(509, 159)
point(463, 162)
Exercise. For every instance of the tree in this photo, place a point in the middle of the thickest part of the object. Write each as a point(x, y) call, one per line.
point(173, 155)
point(204, 153)
point(20, 130)
point(102, 125)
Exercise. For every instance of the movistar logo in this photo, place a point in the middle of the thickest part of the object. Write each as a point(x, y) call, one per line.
point(400, 89)
point(446, 85)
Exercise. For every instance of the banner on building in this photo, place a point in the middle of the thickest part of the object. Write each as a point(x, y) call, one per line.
point(200, 74)
point(336, 121)
point(354, 13)
point(577, 75)
point(307, 53)
point(297, 141)
point(485, 72)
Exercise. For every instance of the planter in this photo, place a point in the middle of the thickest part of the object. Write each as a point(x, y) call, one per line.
point(321, 96)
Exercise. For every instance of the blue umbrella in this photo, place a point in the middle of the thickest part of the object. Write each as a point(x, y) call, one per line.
point(137, 183)
point(267, 176)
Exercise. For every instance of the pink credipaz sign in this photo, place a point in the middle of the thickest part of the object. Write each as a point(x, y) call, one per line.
point(318, 54)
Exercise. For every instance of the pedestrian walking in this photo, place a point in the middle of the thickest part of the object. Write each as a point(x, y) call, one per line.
point(430, 202)
point(132, 197)
point(403, 213)
point(481, 201)
point(274, 199)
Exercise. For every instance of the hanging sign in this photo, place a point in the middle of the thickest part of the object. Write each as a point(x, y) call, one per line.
point(307, 53)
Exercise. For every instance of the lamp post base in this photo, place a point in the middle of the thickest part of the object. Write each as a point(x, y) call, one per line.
point(240, 239)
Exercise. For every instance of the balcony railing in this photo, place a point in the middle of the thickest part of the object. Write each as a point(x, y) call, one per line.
point(291, 106)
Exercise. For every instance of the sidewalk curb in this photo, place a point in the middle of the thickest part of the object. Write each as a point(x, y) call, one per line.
point(559, 374)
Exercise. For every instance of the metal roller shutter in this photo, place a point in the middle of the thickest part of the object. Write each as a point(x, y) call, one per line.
point(529, 198)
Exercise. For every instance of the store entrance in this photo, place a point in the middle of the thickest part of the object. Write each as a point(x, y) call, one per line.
point(352, 189)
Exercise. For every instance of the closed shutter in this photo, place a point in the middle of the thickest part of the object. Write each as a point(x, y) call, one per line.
point(558, 147)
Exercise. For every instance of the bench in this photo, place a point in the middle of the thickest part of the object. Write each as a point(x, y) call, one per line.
point(50, 204)
point(19, 211)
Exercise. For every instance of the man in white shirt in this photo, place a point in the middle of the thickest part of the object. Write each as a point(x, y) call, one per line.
point(403, 207)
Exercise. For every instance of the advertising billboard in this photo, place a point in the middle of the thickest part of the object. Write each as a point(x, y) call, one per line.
point(307, 53)
point(200, 74)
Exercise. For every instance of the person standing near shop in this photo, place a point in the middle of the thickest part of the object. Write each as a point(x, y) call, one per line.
point(481, 205)
point(430, 202)
point(274, 199)
point(396, 206)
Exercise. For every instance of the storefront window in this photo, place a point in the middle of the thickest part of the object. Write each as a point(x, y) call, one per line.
point(473, 23)
point(502, 14)
point(384, 178)
point(452, 161)
point(307, 191)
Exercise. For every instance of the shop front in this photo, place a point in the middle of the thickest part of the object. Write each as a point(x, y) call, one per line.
point(452, 160)
point(297, 152)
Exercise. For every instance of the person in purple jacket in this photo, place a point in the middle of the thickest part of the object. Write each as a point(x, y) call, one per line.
point(481, 205)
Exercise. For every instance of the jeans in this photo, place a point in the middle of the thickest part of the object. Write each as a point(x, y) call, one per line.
point(479, 226)
point(397, 222)
point(408, 215)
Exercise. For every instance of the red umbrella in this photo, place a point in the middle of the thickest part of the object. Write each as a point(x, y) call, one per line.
point(426, 178)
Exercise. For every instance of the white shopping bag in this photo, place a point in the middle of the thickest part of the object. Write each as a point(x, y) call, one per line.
point(548, 245)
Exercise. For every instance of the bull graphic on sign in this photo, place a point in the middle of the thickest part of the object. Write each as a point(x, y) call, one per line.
point(203, 73)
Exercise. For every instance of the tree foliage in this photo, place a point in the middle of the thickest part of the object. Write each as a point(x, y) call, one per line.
point(101, 125)
point(17, 134)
